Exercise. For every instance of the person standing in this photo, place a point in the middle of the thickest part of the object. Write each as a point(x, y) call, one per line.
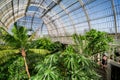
point(104, 62)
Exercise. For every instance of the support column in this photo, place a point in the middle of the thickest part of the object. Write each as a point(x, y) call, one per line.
point(67, 13)
point(115, 20)
point(86, 14)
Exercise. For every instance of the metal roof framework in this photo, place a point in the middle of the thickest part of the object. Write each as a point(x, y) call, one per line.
point(62, 17)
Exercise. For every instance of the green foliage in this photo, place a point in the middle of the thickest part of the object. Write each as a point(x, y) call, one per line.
point(12, 65)
point(42, 43)
point(33, 57)
point(58, 46)
point(46, 43)
point(4, 65)
point(20, 35)
point(66, 66)
point(5, 47)
point(47, 70)
point(17, 70)
point(40, 51)
point(13, 69)
point(5, 55)
point(80, 42)
point(78, 39)
point(46, 73)
point(78, 66)
point(3, 32)
point(92, 42)
point(18, 38)
point(97, 41)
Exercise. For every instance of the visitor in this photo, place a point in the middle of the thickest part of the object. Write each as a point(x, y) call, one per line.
point(104, 62)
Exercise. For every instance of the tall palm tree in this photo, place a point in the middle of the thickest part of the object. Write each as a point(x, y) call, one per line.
point(18, 39)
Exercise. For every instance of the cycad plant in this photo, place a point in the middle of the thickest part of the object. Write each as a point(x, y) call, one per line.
point(18, 39)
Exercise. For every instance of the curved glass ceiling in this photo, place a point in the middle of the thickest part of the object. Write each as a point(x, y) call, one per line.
point(59, 18)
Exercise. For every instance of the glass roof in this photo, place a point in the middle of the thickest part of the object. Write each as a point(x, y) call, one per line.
point(59, 18)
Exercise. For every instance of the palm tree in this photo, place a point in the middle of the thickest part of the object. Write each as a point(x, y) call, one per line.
point(18, 39)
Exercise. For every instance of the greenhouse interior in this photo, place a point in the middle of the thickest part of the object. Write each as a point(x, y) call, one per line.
point(59, 39)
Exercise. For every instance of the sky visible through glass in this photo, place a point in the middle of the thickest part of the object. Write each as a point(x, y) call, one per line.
point(100, 13)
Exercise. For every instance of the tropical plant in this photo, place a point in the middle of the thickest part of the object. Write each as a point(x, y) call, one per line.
point(80, 42)
point(78, 66)
point(17, 70)
point(18, 39)
point(7, 57)
point(67, 65)
point(92, 42)
point(97, 41)
point(63, 65)
point(12, 64)
point(46, 43)
point(47, 69)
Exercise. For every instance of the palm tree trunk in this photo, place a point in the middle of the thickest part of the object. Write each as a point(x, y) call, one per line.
point(26, 66)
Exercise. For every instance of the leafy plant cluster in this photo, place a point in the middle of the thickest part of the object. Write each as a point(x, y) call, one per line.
point(65, 66)
point(98, 41)
point(92, 42)
point(5, 55)
point(17, 70)
point(18, 39)
point(71, 63)
point(46, 43)
point(4, 65)
point(12, 64)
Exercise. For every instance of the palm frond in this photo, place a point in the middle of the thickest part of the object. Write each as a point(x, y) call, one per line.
point(7, 54)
